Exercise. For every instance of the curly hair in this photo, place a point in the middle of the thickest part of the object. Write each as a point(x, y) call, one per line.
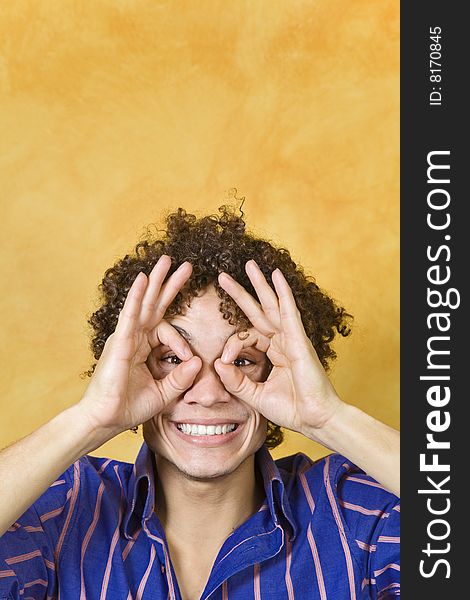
point(213, 244)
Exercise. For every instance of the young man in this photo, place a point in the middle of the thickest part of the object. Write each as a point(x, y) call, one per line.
point(213, 339)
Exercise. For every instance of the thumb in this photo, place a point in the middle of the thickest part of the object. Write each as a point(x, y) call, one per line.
point(237, 383)
point(179, 380)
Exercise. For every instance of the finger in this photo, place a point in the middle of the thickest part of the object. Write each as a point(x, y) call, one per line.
point(234, 345)
point(247, 303)
point(237, 383)
point(290, 315)
point(179, 380)
point(156, 279)
point(166, 334)
point(129, 315)
point(264, 291)
point(170, 289)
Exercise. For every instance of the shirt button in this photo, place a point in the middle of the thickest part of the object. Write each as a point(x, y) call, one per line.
point(163, 568)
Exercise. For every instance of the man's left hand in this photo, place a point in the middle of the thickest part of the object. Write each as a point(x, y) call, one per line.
point(297, 393)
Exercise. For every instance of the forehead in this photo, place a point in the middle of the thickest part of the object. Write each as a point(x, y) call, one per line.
point(203, 314)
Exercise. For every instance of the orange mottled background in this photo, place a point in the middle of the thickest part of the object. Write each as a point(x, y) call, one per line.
point(112, 112)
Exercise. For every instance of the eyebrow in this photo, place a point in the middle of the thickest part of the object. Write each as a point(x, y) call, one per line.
point(183, 333)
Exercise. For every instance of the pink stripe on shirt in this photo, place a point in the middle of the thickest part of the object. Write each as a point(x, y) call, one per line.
point(316, 562)
point(366, 547)
point(287, 577)
point(364, 481)
point(51, 514)
point(87, 538)
point(145, 577)
point(339, 523)
point(7, 573)
point(13, 560)
point(75, 488)
point(58, 482)
point(130, 544)
point(364, 511)
point(390, 566)
point(36, 582)
point(307, 492)
point(256, 582)
point(114, 541)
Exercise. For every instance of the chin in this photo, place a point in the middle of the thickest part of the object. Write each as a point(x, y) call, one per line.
point(203, 471)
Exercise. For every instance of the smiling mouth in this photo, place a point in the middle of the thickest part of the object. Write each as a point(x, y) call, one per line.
point(206, 430)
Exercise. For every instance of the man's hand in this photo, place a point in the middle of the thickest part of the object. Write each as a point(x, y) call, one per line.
point(297, 394)
point(122, 392)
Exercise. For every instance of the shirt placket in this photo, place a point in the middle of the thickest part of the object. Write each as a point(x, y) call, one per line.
point(155, 533)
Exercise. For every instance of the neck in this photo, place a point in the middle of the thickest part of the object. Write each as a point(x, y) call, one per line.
point(215, 507)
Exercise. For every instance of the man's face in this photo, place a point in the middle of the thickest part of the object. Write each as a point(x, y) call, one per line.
point(206, 407)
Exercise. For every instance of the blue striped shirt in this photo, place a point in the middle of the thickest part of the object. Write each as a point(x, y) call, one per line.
point(325, 531)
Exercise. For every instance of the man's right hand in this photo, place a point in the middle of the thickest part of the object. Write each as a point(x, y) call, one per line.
point(122, 392)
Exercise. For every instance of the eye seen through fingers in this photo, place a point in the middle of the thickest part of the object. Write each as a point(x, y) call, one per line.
point(172, 360)
point(242, 362)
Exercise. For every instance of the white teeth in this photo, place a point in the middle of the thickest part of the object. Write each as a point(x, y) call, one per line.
point(190, 429)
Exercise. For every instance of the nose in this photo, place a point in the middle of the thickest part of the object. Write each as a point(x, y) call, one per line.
point(207, 388)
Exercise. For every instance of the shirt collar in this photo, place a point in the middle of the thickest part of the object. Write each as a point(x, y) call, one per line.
point(274, 487)
point(141, 491)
